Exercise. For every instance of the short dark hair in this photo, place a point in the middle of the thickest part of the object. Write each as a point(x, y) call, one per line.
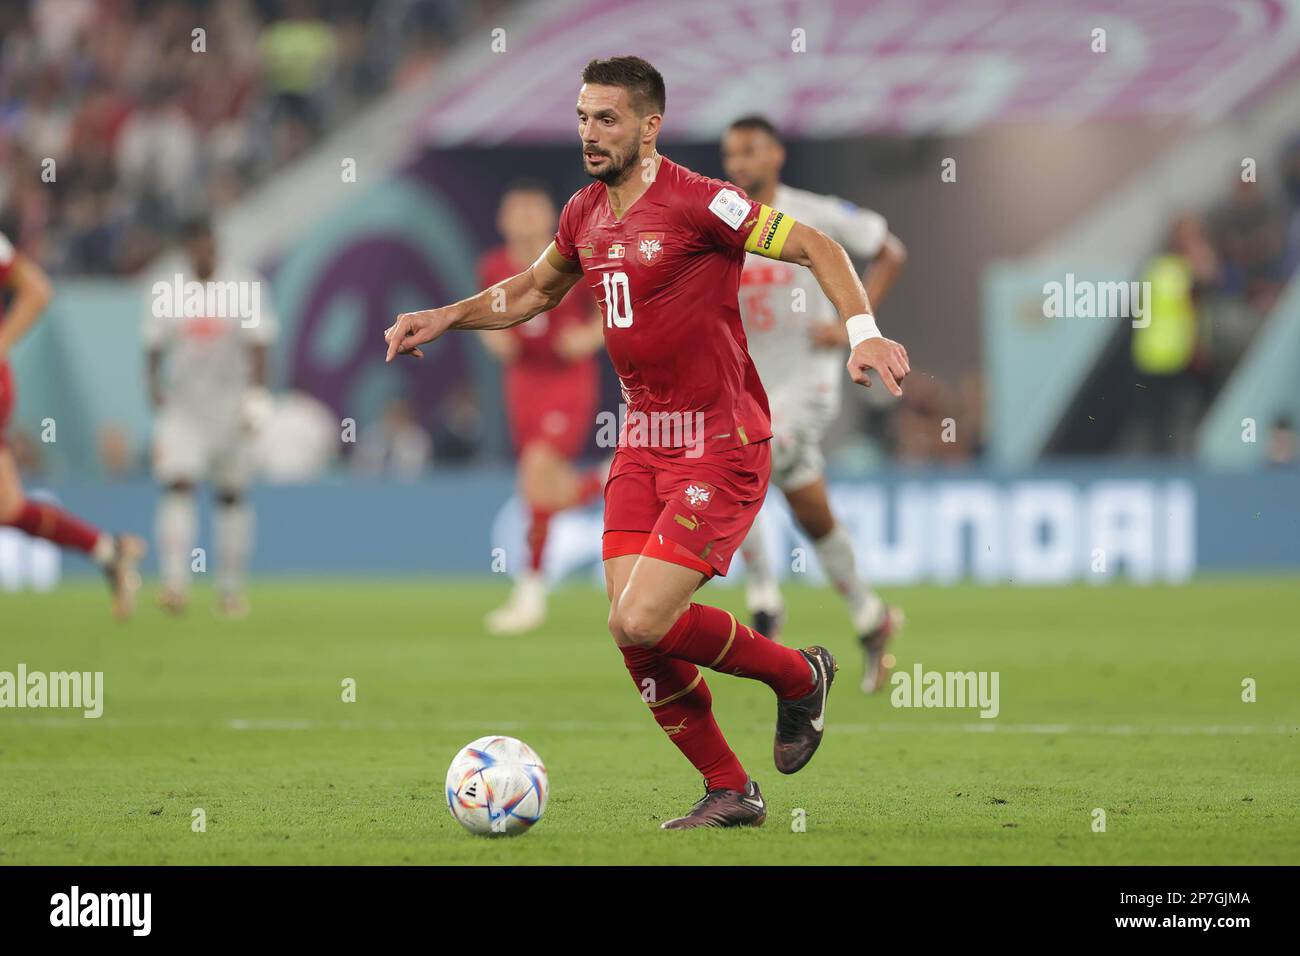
point(642, 81)
point(755, 121)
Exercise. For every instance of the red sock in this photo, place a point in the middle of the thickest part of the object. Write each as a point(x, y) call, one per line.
point(537, 530)
point(47, 521)
point(710, 637)
point(682, 705)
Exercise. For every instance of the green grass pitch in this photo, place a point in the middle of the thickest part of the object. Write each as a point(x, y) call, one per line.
point(1122, 698)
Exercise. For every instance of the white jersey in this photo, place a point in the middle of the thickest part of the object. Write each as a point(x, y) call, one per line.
point(205, 331)
point(780, 302)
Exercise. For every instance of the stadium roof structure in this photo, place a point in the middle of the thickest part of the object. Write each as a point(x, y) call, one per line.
point(862, 66)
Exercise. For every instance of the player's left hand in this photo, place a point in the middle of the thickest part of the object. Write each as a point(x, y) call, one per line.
point(886, 356)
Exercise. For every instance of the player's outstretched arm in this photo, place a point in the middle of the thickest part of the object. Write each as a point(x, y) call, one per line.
point(32, 292)
point(879, 278)
point(537, 289)
point(833, 269)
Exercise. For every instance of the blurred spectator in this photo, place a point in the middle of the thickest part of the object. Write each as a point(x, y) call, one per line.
point(921, 426)
point(1164, 348)
point(1291, 177)
point(459, 433)
point(117, 457)
point(297, 55)
point(1282, 444)
point(1248, 230)
point(395, 446)
point(158, 158)
point(135, 125)
point(932, 423)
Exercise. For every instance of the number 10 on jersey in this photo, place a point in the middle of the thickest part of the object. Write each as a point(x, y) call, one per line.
point(618, 300)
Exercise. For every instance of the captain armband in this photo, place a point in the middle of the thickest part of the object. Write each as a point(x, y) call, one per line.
point(770, 232)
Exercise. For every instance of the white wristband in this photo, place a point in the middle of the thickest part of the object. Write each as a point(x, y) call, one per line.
point(862, 327)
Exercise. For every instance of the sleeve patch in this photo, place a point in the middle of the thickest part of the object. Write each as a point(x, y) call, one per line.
point(729, 207)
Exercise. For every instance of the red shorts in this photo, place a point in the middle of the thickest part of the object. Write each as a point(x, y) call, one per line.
point(557, 407)
point(691, 511)
point(6, 398)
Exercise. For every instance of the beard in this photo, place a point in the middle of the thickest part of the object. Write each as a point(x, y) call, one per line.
point(615, 169)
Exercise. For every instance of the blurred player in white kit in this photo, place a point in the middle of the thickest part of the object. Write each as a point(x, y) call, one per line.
point(798, 344)
point(207, 381)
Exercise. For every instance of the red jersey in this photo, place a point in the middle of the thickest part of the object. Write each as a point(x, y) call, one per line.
point(667, 277)
point(539, 337)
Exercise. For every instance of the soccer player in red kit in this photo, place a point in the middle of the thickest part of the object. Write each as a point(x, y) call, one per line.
point(118, 555)
point(551, 386)
point(662, 247)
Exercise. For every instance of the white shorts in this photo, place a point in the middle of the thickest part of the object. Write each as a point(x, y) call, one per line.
point(191, 448)
point(797, 458)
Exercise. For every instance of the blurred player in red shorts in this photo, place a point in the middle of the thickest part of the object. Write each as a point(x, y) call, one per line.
point(117, 555)
point(662, 247)
point(551, 387)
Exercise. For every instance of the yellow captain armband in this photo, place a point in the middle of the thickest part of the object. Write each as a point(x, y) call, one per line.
point(770, 232)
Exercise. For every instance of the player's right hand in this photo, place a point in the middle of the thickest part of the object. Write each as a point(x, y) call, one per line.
point(886, 356)
point(411, 330)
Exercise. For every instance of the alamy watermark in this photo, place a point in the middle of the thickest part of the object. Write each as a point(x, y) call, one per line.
point(922, 688)
point(635, 429)
point(179, 299)
point(80, 690)
point(1084, 299)
point(130, 910)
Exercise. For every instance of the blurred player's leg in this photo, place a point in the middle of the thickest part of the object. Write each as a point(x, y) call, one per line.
point(875, 622)
point(233, 523)
point(176, 528)
point(550, 483)
point(180, 456)
point(762, 592)
point(117, 555)
point(233, 533)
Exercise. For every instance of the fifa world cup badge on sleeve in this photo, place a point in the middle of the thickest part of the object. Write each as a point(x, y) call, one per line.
point(729, 207)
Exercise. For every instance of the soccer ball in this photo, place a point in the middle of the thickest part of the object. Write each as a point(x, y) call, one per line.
point(497, 785)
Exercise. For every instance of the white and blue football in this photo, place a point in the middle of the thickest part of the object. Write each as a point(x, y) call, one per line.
point(497, 786)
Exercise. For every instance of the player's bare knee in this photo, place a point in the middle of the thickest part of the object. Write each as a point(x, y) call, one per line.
point(616, 626)
point(638, 622)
